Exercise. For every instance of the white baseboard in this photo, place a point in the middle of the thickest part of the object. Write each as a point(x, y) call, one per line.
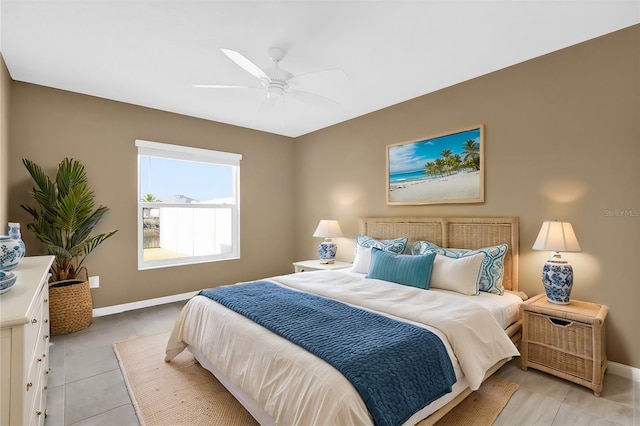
point(622, 370)
point(614, 368)
point(116, 309)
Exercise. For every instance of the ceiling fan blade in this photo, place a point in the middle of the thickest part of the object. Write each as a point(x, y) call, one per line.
point(222, 86)
point(330, 77)
point(312, 99)
point(246, 64)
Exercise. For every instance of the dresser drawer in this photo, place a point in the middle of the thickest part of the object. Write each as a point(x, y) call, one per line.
point(37, 363)
point(36, 396)
point(36, 379)
point(36, 412)
point(33, 329)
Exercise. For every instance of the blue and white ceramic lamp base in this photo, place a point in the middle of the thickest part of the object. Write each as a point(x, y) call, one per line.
point(557, 278)
point(327, 251)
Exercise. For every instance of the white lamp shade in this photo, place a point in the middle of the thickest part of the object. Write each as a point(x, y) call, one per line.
point(328, 229)
point(556, 236)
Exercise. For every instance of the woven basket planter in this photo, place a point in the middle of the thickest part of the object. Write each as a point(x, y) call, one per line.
point(70, 306)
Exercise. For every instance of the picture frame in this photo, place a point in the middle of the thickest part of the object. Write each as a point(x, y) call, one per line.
point(441, 169)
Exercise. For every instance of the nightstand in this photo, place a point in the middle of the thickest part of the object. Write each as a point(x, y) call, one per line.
point(315, 265)
point(565, 340)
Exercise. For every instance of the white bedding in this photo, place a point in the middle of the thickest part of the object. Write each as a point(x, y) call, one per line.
point(505, 309)
point(295, 387)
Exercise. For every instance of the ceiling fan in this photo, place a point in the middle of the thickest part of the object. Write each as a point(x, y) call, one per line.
point(278, 83)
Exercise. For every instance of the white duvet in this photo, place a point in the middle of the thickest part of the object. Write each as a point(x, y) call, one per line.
point(293, 386)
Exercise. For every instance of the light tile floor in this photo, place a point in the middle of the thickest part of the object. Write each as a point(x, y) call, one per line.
point(86, 386)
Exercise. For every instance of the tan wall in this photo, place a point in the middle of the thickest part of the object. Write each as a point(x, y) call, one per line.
point(49, 124)
point(562, 141)
point(5, 96)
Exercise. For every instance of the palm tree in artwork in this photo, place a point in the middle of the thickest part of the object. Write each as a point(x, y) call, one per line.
point(450, 163)
point(440, 166)
point(471, 151)
point(446, 158)
point(454, 162)
point(430, 168)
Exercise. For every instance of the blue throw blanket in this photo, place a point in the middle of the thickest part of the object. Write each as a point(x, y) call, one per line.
point(397, 368)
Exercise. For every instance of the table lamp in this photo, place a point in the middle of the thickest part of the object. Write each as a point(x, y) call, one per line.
point(327, 249)
point(557, 273)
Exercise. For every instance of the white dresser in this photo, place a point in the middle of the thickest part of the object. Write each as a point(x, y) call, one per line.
point(24, 344)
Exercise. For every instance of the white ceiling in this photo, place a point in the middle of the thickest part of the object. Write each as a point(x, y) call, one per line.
point(151, 52)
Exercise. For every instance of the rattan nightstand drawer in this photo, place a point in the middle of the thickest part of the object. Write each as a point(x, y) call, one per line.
point(560, 334)
point(558, 360)
point(565, 340)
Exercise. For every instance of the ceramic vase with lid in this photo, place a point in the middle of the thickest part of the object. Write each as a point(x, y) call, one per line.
point(12, 248)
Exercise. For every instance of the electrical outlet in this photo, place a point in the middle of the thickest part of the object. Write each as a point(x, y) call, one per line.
point(94, 282)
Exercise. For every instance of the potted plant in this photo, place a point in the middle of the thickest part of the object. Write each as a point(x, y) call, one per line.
point(63, 219)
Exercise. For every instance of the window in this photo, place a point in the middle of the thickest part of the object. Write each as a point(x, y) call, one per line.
point(188, 205)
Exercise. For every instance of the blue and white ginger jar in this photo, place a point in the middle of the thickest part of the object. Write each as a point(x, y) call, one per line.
point(12, 248)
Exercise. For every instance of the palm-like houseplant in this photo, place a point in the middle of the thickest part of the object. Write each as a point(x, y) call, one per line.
point(63, 220)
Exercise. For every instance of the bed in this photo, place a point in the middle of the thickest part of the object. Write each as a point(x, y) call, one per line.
point(279, 382)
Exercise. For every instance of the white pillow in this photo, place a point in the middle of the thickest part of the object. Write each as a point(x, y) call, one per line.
point(457, 274)
point(362, 261)
point(492, 268)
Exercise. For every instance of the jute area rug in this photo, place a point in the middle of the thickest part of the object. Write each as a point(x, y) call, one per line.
point(182, 392)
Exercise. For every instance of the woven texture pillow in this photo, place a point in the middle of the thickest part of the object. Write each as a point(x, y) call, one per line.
point(414, 271)
point(491, 270)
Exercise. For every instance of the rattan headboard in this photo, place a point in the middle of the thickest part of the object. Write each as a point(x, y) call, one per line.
point(454, 232)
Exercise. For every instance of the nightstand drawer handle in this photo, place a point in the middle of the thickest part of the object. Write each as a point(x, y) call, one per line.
point(561, 323)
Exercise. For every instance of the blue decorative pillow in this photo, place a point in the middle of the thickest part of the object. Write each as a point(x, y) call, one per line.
point(491, 269)
point(414, 271)
point(423, 247)
point(397, 245)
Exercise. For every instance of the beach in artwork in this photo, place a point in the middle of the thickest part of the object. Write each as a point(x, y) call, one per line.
point(454, 187)
point(446, 168)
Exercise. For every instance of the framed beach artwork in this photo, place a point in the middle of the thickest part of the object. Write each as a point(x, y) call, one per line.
point(447, 168)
